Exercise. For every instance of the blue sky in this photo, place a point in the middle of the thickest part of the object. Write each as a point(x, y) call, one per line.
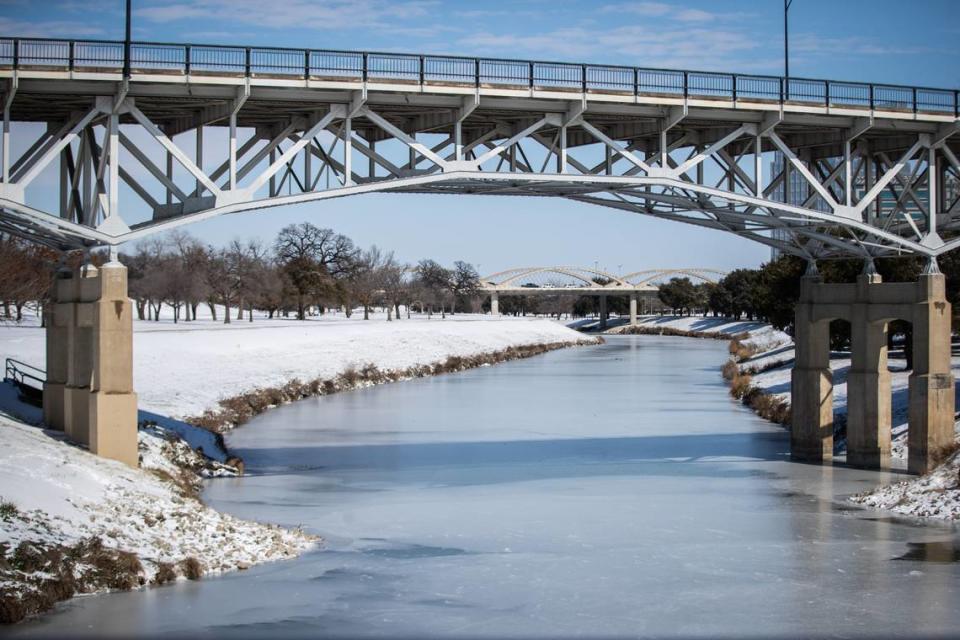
point(914, 42)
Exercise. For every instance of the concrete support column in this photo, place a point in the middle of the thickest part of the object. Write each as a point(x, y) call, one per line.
point(603, 312)
point(633, 309)
point(931, 383)
point(85, 289)
point(811, 433)
point(868, 383)
point(868, 394)
point(58, 318)
point(113, 404)
point(494, 304)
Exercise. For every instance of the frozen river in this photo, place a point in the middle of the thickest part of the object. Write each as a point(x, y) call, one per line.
point(599, 491)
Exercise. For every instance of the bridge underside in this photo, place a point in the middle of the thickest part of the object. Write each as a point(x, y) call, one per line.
point(123, 159)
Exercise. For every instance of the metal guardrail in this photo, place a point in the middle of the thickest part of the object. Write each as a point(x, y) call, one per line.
point(20, 373)
point(201, 59)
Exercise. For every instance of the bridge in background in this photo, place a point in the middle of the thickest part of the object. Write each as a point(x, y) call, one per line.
point(118, 152)
point(639, 286)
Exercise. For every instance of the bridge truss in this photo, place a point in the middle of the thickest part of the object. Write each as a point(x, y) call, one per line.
point(197, 131)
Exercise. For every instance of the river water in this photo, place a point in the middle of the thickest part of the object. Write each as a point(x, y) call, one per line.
point(606, 491)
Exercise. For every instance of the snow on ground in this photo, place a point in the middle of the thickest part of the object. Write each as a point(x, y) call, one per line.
point(64, 494)
point(762, 336)
point(935, 495)
point(183, 369)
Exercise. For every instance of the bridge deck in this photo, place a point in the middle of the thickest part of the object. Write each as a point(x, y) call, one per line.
point(181, 85)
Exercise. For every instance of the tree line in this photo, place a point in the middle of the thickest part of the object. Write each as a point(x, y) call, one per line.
point(305, 271)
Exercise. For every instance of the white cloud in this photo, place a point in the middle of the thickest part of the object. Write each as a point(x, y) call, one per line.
point(816, 45)
point(640, 44)
point(326, 16)
point(639, 8)
point(696, 15)
point(50, 28)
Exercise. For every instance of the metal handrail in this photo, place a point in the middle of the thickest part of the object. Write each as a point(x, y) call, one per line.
point(19, 372)
point(77, 54)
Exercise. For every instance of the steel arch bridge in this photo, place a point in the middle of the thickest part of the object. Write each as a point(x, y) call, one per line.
point(564, 280)
point(584, 280)
point(876, 165)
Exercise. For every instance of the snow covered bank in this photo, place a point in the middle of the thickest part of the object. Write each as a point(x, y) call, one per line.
point(758, 334)
point(72, 522)
point(186, 369)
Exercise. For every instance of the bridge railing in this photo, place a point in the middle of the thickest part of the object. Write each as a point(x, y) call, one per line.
point(276, 62)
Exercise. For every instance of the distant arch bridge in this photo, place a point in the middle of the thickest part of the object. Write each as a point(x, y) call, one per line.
point(570, 280)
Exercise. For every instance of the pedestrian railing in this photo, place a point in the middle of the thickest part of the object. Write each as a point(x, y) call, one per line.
point(363, 66)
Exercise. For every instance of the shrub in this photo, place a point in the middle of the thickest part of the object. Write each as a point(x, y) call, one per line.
point(8, 510)
point(941, 454)
point(740, 386)
point(191, 568)
point(165, 573)
point(767, 406)
point(730, 370)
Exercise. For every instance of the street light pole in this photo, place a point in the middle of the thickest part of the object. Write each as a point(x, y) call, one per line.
point(126, 45)
point(786, 47)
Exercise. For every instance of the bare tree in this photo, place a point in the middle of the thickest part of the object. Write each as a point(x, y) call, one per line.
point(433, 282)
point(311, 258)
point(464, 283)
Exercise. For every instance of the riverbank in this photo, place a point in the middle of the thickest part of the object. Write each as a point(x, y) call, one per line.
point(761, 377)
point(61, 506)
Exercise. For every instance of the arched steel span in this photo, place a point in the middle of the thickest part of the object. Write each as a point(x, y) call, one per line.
point(567, 279)
point(873, 162)
point(559, 277)
point(652, 275)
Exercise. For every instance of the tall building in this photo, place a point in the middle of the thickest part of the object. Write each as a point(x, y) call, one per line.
point(797, 191)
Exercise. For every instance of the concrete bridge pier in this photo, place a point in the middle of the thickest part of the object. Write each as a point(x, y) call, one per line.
point(868, 383)
point(869, 306)
point(494, 304)
point(58, 320)
point(633, 309)
point(811, 433)
point(932, 390)
point(89, 392)
point(603, 312)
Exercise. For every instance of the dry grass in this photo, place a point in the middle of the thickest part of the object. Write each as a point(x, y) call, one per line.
point(37, 576)
point(186, 481)
point(740, 386)
point(941, 454)
point(742, 352)
point(236, 411)
point(767, 407)
point(166, 572)
point(730, 370)
point(763, 404)
point(644, 330)
point(191, 568)
point(8, 510)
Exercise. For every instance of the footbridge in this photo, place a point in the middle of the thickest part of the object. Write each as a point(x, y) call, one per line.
point(563, 280)
point(116, 141)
